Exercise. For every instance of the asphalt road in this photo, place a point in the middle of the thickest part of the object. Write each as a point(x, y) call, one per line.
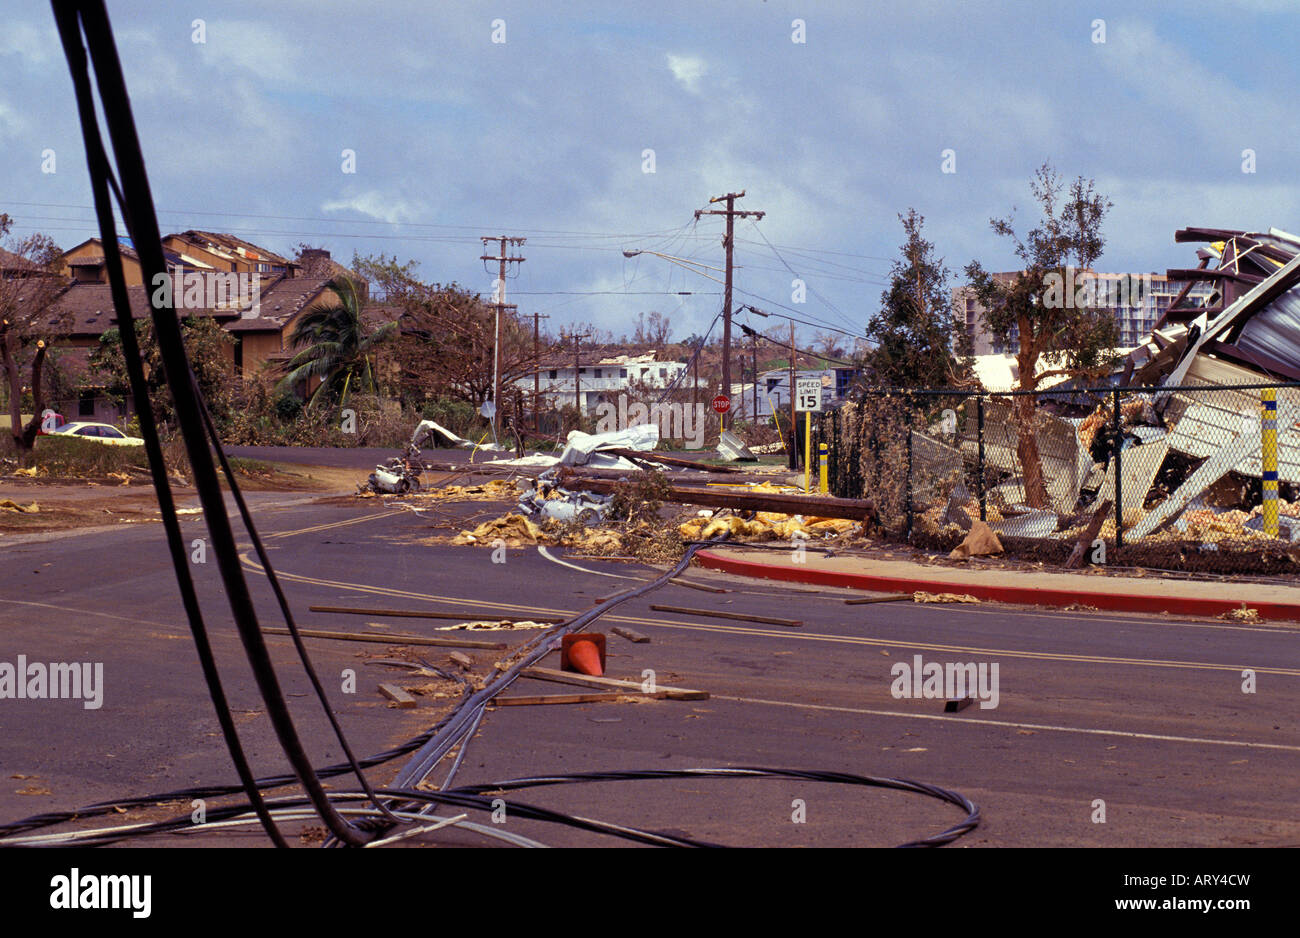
point(1145, 714)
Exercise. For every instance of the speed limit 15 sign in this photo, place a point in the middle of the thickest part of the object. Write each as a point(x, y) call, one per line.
point(808, 394)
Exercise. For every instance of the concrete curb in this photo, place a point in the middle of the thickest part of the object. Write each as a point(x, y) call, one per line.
point(1018, 595)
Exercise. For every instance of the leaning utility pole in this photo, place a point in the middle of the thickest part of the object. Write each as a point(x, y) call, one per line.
point(501, 307)
point(727, 243)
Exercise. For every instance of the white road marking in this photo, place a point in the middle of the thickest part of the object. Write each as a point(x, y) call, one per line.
point(1246, 744)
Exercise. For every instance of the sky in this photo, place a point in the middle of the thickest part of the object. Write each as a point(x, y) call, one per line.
point(541, 119)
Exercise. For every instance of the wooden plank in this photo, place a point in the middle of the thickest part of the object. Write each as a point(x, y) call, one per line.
point(740, 616)
point(395, 639)
point(398, 696)
point(461, 660)
point(586, 680)
point(421, 614)
point(901, 597)
point(630, 634)
point(698, 586)
point(595, 697)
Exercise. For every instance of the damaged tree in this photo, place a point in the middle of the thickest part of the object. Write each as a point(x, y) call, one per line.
point(1070, 332)
point(29, 288)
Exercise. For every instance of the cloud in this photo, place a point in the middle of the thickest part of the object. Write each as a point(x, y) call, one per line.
point(688, 70)
point(392, 209)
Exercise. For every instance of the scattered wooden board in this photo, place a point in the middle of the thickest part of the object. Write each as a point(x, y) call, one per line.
point(901, 597)
point(398, 696)
point(605, 697)
point(585, 680)
point(393, 639)
point(698, 586)
point(632, 635)
point(741, 616)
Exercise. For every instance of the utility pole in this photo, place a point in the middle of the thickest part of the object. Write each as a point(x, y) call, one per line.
point(727, 243)
point(794, 417)
point(753, 348)
point(500, 303)
point(537, 369)
point(577, 375)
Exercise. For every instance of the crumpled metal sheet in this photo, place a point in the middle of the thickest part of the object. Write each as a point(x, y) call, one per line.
point(580, 447)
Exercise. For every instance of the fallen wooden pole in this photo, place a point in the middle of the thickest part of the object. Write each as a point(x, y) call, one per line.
point(397, 639)
point(635, 454)
point(595, 697)
point(852, 509)
point(586, 680)
point(901, 597)
point(420, 614)
point(741, 616)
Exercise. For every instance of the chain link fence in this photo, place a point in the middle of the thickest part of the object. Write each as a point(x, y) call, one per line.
point(1193, 478)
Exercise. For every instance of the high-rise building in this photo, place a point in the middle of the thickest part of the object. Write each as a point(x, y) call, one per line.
point(1136, 300)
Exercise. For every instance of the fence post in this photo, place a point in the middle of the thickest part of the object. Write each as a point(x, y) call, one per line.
point(908, 430)
point(1117, 426)
point(979, 403)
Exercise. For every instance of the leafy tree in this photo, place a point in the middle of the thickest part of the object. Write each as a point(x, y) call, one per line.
point(206, 346)
point(920, 342)
point(335, 347)
point(1072, 334)
point(30, 286)
point(447, 337)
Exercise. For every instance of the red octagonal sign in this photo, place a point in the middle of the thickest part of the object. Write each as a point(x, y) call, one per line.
point(722, 403)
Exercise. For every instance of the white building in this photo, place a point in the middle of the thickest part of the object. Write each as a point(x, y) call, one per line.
point(602, 379)
point(774, 387)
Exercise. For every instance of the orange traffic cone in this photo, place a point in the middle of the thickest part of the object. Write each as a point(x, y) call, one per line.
point(584, 653)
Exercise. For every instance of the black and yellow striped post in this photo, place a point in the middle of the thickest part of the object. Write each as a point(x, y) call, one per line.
point(824, 485)
point(1268, 457)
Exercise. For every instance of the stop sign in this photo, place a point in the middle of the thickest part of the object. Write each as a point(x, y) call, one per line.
point(722, 403)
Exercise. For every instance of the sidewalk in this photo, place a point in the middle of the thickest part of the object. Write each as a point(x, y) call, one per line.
point(1033, 588)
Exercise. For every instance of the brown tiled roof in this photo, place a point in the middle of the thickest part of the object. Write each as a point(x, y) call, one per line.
point(280, 302)
point(90, 308)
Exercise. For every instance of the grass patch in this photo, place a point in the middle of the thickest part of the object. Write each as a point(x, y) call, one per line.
point(63, 457)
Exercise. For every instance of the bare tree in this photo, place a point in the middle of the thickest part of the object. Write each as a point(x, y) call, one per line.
point(30, 286)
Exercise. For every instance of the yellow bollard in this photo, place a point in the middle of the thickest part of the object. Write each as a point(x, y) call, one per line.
point(1268, 456)
point(825, 485)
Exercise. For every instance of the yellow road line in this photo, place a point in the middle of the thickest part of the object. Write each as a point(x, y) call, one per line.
point(785, 634)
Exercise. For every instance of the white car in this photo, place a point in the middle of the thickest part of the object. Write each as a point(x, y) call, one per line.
point(99, 432)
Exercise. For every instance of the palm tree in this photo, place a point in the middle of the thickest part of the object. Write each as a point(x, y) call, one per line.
point(335, 347)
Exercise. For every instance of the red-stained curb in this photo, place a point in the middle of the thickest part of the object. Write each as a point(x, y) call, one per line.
point(1018, 595)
